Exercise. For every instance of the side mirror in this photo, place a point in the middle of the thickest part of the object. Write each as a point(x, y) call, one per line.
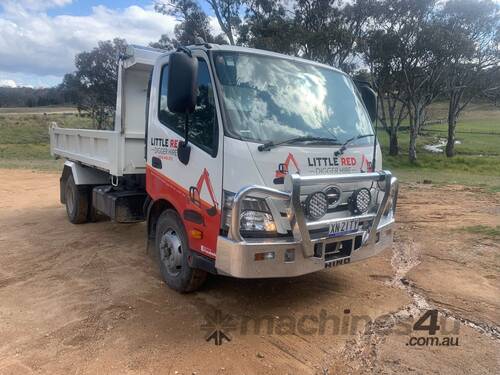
point(369, 97)
point(182, 93)
point(182, 82)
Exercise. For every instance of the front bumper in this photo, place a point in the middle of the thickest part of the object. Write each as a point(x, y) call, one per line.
point(236, 256)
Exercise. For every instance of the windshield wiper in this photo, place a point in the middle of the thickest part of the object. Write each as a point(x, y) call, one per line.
point(342, 148)
point(269, 145)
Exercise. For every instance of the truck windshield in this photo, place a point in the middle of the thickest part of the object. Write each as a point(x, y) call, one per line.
point(272, 99)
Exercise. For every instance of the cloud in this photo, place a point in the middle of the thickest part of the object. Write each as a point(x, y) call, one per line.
point(27, 80)
point(7, 83)
point(32, 42)
point(214, 25)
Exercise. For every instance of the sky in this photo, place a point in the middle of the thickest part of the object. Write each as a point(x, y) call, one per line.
point(40, 38)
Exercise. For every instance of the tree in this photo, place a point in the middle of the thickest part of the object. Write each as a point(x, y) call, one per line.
point(165, 42)
point(329, 31)
point(423, 73)
point(93, 85)
point(415, 39)
point(492, 93)
point(386, 74)
point(470, 30)
point(72, 90)
point(269, 26)
point(30, 97)
point(194, 23)
point(227, 13)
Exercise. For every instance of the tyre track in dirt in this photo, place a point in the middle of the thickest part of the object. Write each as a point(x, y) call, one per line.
point(407, 255)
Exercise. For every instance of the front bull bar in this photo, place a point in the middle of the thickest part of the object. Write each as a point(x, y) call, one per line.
point(300, 227)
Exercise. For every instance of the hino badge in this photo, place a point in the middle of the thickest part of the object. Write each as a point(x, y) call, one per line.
point(242, 162)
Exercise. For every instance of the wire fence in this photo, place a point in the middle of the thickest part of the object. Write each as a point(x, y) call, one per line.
point(424, 129)
point(459, 132)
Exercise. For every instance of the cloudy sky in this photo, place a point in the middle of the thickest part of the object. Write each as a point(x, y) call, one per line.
point(39, 38)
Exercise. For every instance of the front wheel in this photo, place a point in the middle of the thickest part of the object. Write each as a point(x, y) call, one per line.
point(173, 251)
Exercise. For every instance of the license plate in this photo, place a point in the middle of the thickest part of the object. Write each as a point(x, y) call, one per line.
point(341, 228)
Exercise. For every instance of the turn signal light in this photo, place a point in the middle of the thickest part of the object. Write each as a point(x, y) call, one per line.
point(196, 234)
point(264, 256)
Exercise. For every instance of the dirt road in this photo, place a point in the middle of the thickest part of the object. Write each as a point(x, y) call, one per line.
point(87, 299)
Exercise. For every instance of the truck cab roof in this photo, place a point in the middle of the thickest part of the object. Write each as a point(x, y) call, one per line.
point(147, 56)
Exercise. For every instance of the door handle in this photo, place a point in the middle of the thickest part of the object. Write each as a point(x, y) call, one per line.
point(156, 162)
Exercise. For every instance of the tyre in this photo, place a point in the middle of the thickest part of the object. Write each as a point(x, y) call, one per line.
point(173, 252)
point(77, 201)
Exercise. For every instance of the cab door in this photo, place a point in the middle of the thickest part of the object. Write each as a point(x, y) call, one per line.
point(195, 188)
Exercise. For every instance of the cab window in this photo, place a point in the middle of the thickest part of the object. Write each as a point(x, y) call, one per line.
point(203, 121)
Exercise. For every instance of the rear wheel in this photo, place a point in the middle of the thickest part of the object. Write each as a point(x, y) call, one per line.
point(173, 253)
point(77, 201)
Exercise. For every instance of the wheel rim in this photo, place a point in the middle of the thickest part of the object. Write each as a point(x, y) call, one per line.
point(171, 252)
point(70, 199)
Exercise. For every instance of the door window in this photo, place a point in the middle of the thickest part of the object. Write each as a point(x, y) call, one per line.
point(203, 121)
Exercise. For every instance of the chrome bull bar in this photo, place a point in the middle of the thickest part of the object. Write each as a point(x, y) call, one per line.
point(300, 227)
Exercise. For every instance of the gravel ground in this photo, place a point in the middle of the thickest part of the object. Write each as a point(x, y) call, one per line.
point(87, 299)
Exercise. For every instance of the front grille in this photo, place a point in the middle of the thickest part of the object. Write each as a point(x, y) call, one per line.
point(339, 208)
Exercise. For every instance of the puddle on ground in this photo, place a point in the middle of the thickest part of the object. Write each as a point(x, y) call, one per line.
point(439, 146)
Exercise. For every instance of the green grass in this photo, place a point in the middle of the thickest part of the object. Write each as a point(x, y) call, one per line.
point(40, 110)
point(477, 159)
point(470, 143)
point(24, 138)
point(484, 230)
point(49, 165)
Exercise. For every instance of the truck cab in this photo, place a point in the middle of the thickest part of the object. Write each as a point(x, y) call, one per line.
point(254, 164)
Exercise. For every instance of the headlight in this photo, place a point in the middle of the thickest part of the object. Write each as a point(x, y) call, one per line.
point(256, 221)
point(255, 214)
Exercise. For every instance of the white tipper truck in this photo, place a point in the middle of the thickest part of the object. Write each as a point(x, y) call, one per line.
point(242, 162)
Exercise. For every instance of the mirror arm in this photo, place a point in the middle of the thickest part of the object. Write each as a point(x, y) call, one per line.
point(186, 129)
point(184, 150)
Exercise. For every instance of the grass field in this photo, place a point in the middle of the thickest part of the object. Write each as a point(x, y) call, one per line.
point(34, 110)
point(24, 137)
point(477, 159)
point(24, 143)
